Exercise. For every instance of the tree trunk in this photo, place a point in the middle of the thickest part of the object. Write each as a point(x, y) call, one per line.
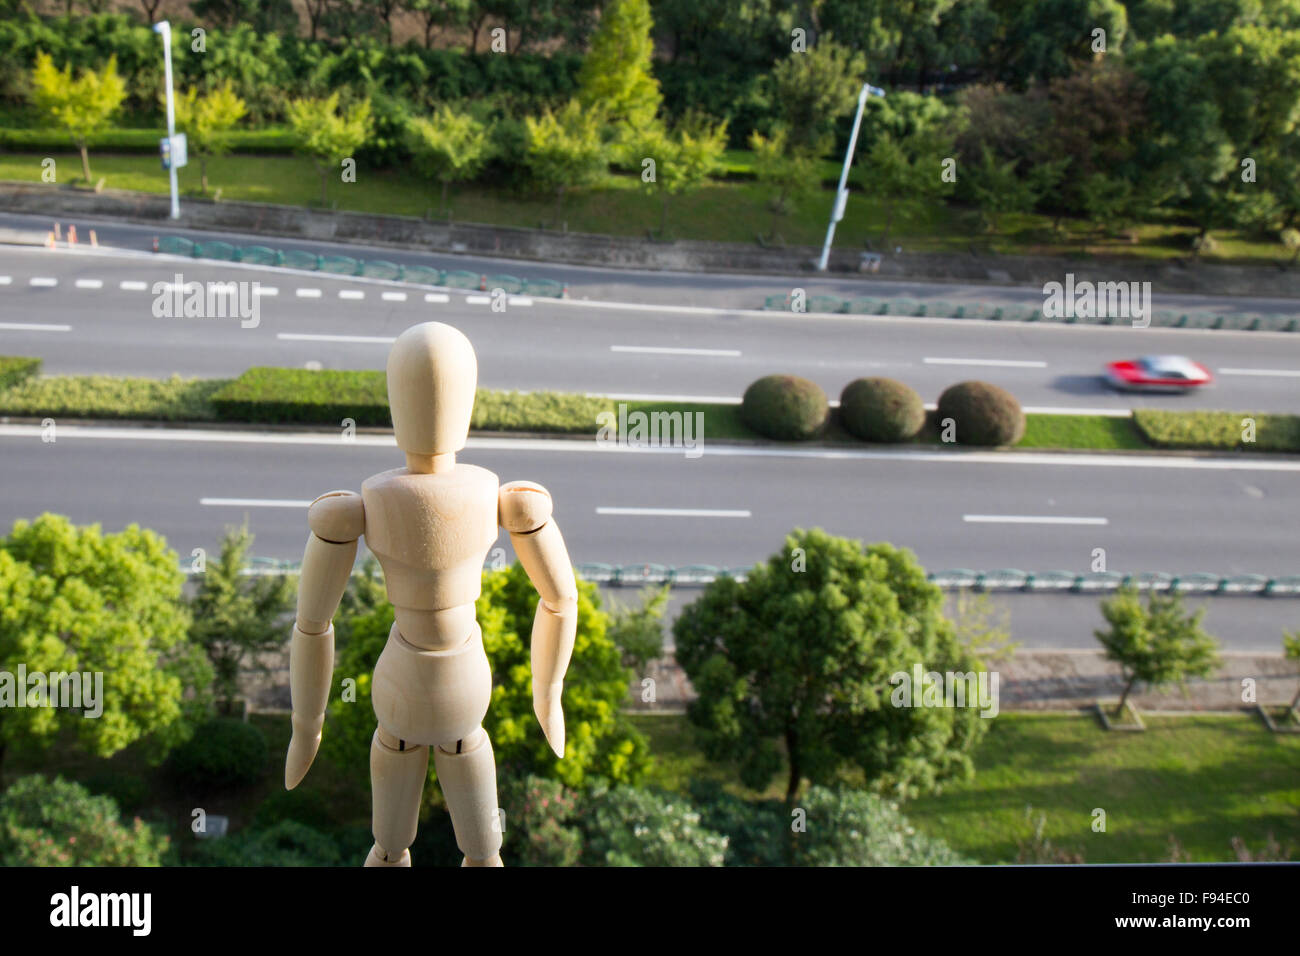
point(1119, 711)
point(428, 33)
point(796, 775)
point(473, 35)
point(3, 747)
point(85, 160)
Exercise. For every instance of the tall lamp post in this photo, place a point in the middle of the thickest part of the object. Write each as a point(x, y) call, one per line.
point(842, 194)
point(165, 29)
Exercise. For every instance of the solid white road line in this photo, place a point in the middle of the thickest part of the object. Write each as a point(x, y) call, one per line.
point(43, 282)
point(685, 399)
point(674, 512)
point(32, 327)
point(90, 283)
point(998, 363)
point(132, 285)
point(656, 350)
point(307, 293)
point(362, 339)
point(1276, 372)
point(588, 446)
point(436, 297)
point(394, 296)
point(254, 502)
point(1030, 519)
point(351, 294)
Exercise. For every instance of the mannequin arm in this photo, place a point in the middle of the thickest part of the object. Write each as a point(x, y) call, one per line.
point(337, 520)
point(525, 511)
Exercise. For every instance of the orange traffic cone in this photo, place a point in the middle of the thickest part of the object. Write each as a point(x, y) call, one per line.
point(72, 236)
point(94, 241)
point(49, 240)
point(58, 232)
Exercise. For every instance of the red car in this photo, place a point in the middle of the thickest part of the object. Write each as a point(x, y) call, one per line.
point(1158, 373)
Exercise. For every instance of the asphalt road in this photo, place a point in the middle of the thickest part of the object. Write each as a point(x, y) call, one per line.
point(86, 313)
point(730, 507)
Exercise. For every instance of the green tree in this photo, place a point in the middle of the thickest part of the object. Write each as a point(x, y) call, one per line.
point(75, 600)
point(1157, 644)
point(328, 136)
point(565, 150)
point(639, 631)
point(599, 740)
point(238, 617)
point(999, 187)
point(438, 13)
point(207, 121)
point(802, 654)
point(628, 826)
point(814, 89)
point(60, 823)
point(616, 80)
point(683, 159)
point(449, 147)
point(791, 173)
point(81, 106)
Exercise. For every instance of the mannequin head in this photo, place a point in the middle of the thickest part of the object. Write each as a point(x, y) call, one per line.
point(432, 374)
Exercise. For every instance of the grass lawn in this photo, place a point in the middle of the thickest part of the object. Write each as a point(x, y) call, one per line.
point(722, 211)
point(1201, 779)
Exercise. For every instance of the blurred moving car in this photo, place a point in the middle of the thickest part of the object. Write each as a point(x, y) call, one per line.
point(1158, 373)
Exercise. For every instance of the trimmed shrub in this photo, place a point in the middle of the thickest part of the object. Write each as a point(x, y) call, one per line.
point(881, 409)
point(281, 395)
point(223, 753)
point(984, 414)
point(785, 407)
point(16, 369)
point(1218, 430)
point(629, 826)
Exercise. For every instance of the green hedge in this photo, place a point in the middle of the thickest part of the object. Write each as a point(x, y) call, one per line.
point(1218, 430)
point(302, 396)
point(16, 369)
point(136, 141)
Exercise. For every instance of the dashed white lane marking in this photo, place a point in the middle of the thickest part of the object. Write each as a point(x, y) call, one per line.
point(90, 283)
point(519, 300)
point(133, 285)
point(1277, 372)
point(998, 363)
point(43, 282)
point(657, 350)
point(675, 512)
point(5, 280)
point(1030, 519)
point(394, 296)
point(351, 294)
point(436, 297)
point(307, 293)
point(254, 502)
point(309, 337)
point(265, 290)
point(33, 327)
point(478, 299)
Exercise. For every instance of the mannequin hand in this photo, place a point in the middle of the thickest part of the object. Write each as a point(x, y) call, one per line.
point(546, 704)
point(302, 750)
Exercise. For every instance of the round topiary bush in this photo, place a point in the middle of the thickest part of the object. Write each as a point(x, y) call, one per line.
point(785, 407)
point(983, 414)
point(881, 409)
point(223, 753)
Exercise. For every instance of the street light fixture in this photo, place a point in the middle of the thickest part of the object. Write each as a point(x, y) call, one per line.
point(842, 194)
point(171, 153)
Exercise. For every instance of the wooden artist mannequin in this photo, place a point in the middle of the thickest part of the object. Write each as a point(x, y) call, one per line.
point(431, 525)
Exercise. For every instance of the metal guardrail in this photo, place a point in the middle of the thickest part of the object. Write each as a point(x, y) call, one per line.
point(831, 305)
point(370, 268)
point(1001, 579)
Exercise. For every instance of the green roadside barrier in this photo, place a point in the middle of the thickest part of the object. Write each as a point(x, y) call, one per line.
point(369, 268)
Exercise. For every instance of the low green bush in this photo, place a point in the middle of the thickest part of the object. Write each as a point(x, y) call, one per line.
point(16, 369)
point(983, 414)
point(1225, 431)
point(128, 790)
point(299, 806)
point(302, 396)
point(285, 844)
point(785, 407)
point(60, 823)
point(224, 753)
point(630, 826)
point(881, 410)
point(257, 141)
point(106, 396)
